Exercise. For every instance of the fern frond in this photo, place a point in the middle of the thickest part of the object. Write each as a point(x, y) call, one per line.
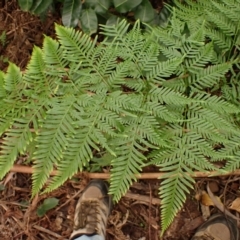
point(203, 57)
point(153, 97)
point(2, 90)
point(163, 70)
point(129, 162)
point(173, 192)
point(185, 155)
point(229, 12)
point(12, 78)
point(167, 95)
point(222, 22)
point(232, 153)
point(52, 140)
point(115, 31)
point(11, 107)
point(19, 137)
point(209, 76)
point(78, 46)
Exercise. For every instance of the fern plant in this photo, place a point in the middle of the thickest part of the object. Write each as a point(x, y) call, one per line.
point(142, 97)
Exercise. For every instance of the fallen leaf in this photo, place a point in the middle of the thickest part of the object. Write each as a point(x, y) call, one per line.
point(205, 199)
point(235, 205)
point(48, 204)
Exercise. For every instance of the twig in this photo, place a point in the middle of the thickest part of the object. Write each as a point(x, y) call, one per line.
point(219, 205)
point(153, 175)
point(69, 200)
point(151, 200)
point(48, 232)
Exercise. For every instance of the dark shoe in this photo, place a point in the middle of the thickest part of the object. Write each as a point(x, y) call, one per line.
point(217, 227)
point(92, 210)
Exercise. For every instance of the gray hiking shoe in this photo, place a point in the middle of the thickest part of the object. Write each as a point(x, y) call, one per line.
point(92, 210)
point(217, 227)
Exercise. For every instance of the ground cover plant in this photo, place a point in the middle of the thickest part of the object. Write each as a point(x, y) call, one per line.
point(166, 96)
point(89, 13)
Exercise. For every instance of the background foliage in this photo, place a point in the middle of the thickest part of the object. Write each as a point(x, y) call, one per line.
point(166, 96)
point(90, 13)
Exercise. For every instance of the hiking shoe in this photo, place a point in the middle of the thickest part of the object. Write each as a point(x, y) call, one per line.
point(92, 210)
point(217, 227)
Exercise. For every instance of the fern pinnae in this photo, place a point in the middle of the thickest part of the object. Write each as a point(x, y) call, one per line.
point(18, 138)
point(52, 140)
point(232, 154)
point(163, 70)
point(173, 196)
point(75, 44)
point(231, 13)
point(2, 90)
point(130, 162)
point(13, 79)
point(203, 57)
point(10, 86)
point(222, 22)
point(209, 76)
point(117, 32)
point(138, 97)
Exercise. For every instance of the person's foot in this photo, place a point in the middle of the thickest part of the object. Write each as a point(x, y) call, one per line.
point(92, 210)
point(217, 227)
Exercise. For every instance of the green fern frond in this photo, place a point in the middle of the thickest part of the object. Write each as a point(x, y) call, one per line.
point(53, 57)
point(115, 31)
point(216, 104)
point(219, 38)
point(19, 137)
point(52, 141)
point(129, 162)
point(78, 46)
point(203, 57)
point(167, 95)
point(154, 97)
point(222, 22)
point(165, 69)
point(12, 78)
point(11, 107)
point(173, 192)
point(208, 77)
point(2, 90)
point(229, 12)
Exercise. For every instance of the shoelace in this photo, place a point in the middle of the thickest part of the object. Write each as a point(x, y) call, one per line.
point(92, 217)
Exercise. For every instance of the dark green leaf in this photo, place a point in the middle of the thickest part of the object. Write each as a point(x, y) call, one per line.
point(71, 12)
point(144, 11)
point(124, 6)
point(24, 204)
point(113, 20)
point(48, 204)
point(99, 6)
point(164, 16)
point(25, 5)
point(40, 6)
point(89, 21)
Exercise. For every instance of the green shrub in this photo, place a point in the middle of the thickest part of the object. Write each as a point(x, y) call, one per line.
point(154, 97)
point(91, 12)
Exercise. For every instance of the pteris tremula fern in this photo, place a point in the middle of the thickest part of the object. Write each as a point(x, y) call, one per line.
point(143, 98)
point(207, 33)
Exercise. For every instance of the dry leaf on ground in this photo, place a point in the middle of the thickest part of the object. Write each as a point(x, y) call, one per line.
point(235, 205)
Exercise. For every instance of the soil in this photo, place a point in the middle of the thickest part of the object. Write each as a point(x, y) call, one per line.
point(135, 217)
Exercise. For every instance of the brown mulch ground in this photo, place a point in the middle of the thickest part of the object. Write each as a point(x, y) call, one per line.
point(135, 217)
